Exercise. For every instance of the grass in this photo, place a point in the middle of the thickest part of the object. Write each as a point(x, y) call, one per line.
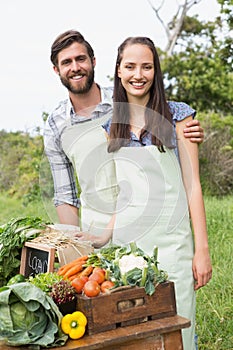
point(214, 301)
point(14, 208)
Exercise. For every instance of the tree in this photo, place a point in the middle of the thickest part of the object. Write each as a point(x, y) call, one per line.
point(197, 61)
point(174, 28)
point(197, 66)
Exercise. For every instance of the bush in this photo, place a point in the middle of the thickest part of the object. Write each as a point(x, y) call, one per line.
point(20, 157)
point(25, 172)
point(216, 154)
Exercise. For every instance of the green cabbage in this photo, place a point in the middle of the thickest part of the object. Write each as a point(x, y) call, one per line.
point(21, 317)
point(28, 316)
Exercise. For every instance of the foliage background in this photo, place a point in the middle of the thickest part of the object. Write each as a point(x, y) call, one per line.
point(25, 173)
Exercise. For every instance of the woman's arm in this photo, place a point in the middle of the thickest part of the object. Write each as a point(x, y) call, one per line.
point(101, 240)
point(188, 154)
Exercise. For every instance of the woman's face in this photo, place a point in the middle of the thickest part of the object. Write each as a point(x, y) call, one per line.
point(136, 72)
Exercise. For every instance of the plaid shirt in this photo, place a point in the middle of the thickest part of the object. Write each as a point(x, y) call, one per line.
point(65, 188)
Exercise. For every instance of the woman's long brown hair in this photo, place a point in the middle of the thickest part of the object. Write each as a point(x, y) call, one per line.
point(157, 113)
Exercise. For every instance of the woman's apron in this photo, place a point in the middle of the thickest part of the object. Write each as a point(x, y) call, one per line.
point(85, 144)
point(152, 210)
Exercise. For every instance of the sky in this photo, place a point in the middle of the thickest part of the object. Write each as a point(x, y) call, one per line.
point(28, 84)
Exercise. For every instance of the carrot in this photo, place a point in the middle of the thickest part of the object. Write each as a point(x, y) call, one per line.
point(87, 271)
point(63, 269)
point(72, 277)
point(79, 259)
point(74, 269)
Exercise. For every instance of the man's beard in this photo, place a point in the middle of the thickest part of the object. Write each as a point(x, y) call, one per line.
point(83, 89)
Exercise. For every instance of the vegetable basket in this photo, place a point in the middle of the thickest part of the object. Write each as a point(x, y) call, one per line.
point(127, 306)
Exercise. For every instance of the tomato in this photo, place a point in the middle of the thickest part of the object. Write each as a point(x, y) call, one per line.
point(84, 278)
point(99, 270)
point(78, 283)
point(97, 276)
point(106, 285)
point(91, 288)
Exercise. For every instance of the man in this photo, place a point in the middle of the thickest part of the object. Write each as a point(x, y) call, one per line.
point(74, 140)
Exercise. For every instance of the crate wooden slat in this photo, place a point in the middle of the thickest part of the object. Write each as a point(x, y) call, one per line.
point(127, 307)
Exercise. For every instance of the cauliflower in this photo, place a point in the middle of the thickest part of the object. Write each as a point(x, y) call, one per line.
point(129, 262)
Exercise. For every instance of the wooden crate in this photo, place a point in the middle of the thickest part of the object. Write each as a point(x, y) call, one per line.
point(127, 307)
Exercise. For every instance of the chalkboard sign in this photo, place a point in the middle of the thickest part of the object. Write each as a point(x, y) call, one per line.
point(36, 258)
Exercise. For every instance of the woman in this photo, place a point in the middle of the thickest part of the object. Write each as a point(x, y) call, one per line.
point(157, 173)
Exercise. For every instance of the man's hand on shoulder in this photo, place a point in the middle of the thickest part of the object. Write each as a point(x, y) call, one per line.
point(194, 132)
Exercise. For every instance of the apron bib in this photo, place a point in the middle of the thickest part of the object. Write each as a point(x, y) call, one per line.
point(152, 210)
point(85, 144)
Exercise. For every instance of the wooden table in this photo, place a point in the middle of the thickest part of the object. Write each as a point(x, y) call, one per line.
point(161, 334)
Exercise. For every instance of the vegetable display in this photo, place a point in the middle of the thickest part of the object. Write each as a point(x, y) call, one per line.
point(28, 316)
point(112, 267)
point(129, 265)
point(74, 324)
point(33, 310)
point(85, 278)
point(13, 235)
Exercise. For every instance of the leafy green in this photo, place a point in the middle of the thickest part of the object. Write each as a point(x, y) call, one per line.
point(28, 316)
point(105, 253)
point(45, 281)
point(13, 235)
point(143, 271)
point(16, 279)
point(133, 277)
point(21, 317)
point(60, 290)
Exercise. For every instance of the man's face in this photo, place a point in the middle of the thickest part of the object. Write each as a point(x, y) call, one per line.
point(75, 68)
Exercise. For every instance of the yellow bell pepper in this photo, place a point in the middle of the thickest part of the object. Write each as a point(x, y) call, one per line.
point(74, 324)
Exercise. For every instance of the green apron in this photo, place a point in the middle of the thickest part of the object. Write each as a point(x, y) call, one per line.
point(152, 210)
point(85, 144)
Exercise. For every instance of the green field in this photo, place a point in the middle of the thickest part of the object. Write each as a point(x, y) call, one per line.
point(14, 208)
point(215, 301)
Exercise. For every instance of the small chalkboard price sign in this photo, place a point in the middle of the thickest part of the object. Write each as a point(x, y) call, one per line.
point(36, 258)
